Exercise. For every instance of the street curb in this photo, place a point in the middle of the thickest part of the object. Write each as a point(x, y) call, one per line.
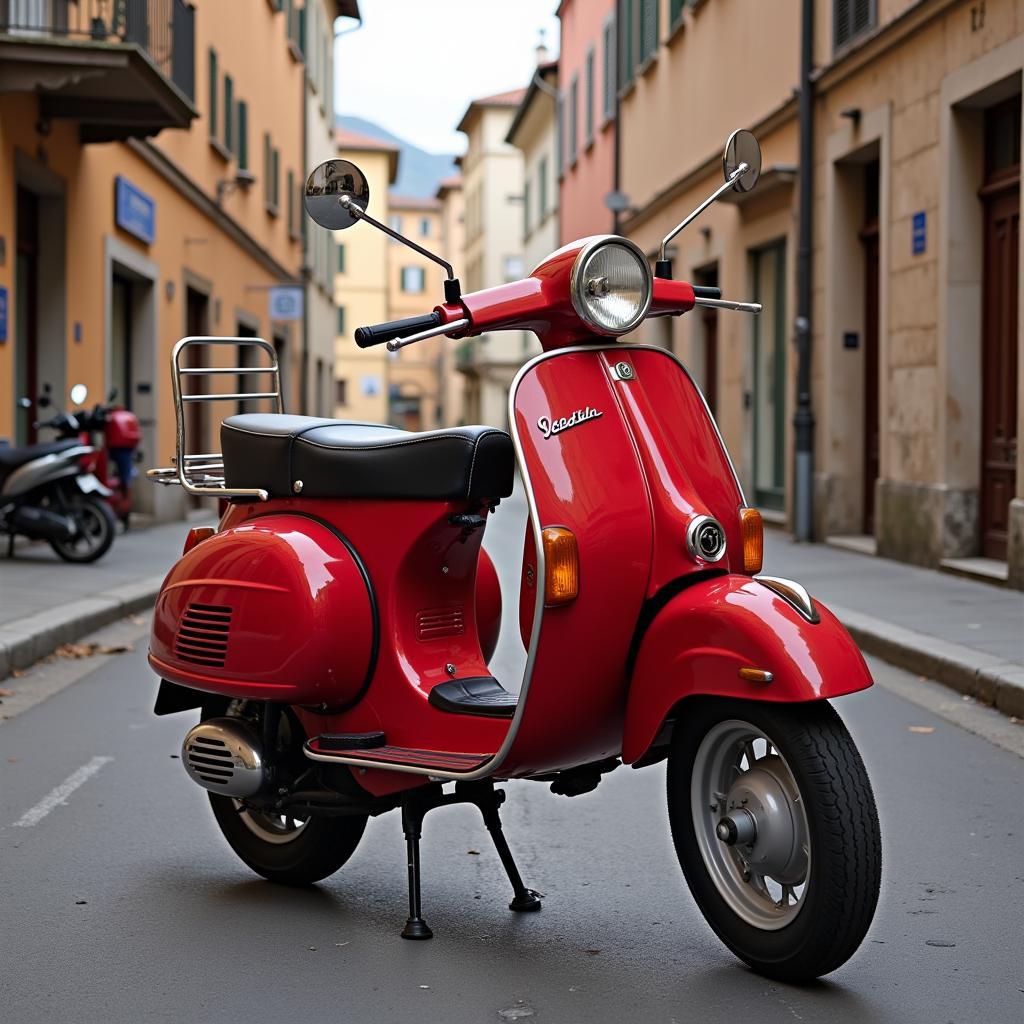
point(985, 677)
point(24, 641)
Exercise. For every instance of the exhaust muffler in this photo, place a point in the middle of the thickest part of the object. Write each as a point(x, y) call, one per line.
point(223, 755)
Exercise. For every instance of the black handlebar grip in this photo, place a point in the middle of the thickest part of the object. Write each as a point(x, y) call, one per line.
point(377, 334)
point(701, 291)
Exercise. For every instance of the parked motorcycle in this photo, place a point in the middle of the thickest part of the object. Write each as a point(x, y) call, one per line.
point(336, 629)
point(49, 492)
point(115, 457)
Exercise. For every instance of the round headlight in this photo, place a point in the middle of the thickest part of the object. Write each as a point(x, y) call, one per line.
point(611, 285)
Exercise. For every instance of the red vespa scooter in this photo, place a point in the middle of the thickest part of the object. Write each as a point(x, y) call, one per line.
point(336, 628)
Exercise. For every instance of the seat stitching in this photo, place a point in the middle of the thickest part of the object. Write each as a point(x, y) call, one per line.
point(476, 448)
point(393, 444)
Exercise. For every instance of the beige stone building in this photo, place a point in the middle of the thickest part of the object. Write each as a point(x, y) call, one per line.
point(453, 246)
point(917, 338)
point(534, 132)
point(414, 288)
point(362, 261)
point(492, 171)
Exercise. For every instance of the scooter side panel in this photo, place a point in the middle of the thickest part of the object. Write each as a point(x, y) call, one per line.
point(703, 637)
point(583, 469)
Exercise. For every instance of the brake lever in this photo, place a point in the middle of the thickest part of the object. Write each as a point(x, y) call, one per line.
point(432, 332)
point(739, 307)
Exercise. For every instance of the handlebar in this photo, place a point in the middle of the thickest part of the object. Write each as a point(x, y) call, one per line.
point(378, 334)
point(701, 291)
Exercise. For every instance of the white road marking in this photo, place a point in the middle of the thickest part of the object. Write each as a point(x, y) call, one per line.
point(60, 794)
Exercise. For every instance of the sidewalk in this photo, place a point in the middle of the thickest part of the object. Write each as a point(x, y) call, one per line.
point(45, 602)
point(967, 635)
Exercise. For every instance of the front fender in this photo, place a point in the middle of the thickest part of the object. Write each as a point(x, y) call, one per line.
point(701, 639)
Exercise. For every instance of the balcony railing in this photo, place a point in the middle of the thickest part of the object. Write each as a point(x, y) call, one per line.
point(163, 29)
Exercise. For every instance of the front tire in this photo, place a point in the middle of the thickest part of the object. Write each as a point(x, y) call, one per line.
point(776, 830)
point(96, 529)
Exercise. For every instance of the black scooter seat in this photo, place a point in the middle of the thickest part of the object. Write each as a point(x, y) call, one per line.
point(322, 458)
point(11, 458)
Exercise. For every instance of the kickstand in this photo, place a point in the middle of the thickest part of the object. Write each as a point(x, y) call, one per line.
point(489, 799)
point(413, 811)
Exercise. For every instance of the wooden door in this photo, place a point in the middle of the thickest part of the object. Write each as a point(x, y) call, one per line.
point(1000, 310)
point(870, 241)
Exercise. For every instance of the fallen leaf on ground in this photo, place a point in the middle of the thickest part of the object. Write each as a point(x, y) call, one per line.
point(13, 760)
point(592, 952)
point(921, 728)
point(114, 649)
point(6, 693)
point(473, 853)
point(17, 673)
point(88, 650)
point(137, 620)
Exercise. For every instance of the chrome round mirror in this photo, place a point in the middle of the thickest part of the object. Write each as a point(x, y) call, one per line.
point(328, 185)
point(79, 393)
point(742, 148)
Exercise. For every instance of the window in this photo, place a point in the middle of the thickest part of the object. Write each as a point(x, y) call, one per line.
point(395, 223)
point(648, 28)
point(542, 188)
point(526, 209)
point(574, 113)
point(229, 113)
point(212, 99)
point(275, 180)
point(850, 18)
point(513, 268)
point(290, 197)
point(341, 258)
point(412, 279)
point(425, 227)
point(608, 106)
point(243, 135)
point(560, 134)
point(626, 55)
point(341, 323)
point(588, 109)
point(341, 392)
point(675, 11)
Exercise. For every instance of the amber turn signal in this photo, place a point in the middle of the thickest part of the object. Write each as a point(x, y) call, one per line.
point(752, 530)
point(561, 566)
point(195, 535)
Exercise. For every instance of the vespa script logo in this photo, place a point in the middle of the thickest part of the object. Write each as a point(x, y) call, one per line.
point(549, 427)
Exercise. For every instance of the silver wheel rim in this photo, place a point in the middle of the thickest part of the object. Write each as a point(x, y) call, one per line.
point(739, 774)
point(92, 530)
point(271, 828)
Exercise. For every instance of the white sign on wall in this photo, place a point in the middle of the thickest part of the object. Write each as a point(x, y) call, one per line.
point(286, 302)
point(370, 385)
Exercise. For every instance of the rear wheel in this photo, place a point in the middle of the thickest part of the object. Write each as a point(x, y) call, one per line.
point(775, 826)
point(282, 847)
point(96, 529)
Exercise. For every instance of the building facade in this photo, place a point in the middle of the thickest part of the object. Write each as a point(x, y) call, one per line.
point(414, 288)
point(534, 133)
point(362, 262)
point(585, 154)
point(492, 173)
point(916, 334)
point(150, 170)
point(453, 246)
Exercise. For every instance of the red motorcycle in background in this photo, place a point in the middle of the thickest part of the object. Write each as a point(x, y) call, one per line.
point(336, 628)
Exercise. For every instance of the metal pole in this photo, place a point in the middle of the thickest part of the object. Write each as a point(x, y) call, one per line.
point(803, 416)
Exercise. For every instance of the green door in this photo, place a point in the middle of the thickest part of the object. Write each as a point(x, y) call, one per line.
point(769, 393)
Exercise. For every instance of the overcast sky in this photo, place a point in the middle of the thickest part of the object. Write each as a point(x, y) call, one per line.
point(414, 65)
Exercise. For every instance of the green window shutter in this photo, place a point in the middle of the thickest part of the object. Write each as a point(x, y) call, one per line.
point(588, 110)
point(291, 203)
point(243, 135)
point(526, 209)
point(675, 10)
point(341, 319)
point(229, 114)
point(268, 169)
point(341, 258)
point(542, 188)
point(212, 97)
point(276, 179)
point(648, 28)
point(627, 59)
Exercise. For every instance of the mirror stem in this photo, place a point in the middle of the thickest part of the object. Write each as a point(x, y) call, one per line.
point(451, 293)
point(729, 182)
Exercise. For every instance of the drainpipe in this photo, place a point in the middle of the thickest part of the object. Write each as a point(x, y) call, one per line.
point(803, 416)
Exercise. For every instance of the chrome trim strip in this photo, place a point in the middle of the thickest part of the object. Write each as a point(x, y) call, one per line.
point(598, 242)
point(793, 593)
point(490, 767)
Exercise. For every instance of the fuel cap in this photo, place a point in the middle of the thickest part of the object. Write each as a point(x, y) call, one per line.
point(705, 539)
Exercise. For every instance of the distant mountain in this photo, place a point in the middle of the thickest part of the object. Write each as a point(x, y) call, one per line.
point(419, 172)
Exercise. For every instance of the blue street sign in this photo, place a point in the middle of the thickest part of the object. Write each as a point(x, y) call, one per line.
point(134, 211)
point(919, 233)
point(3, 315)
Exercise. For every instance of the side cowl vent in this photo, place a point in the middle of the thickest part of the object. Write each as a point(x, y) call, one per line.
point(203, 635)
point(437, 622)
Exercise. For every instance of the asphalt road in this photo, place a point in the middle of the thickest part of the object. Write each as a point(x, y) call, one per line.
point(123, 903)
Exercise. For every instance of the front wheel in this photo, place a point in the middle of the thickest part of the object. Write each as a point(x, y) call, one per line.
point(776, 830)
point(96, 529)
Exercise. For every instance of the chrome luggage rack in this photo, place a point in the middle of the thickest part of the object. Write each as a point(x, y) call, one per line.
point(203, 474)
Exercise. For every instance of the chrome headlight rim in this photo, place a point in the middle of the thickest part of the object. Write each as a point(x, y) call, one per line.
point(576, 284)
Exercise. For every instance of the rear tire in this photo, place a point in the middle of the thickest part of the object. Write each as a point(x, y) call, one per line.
point(816, 839)
point(97, 527)
point(302, 852)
